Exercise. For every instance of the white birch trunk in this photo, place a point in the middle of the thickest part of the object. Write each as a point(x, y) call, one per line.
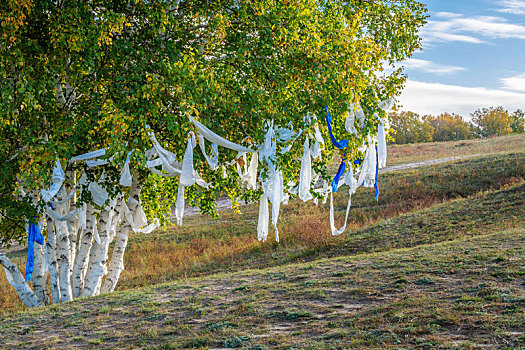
point(18, 282)
point(40, 274)
point(62, 257)
point(98, 269)
point(74, 234)
point(116, 265)
point(116, 219)
point(92, 253)
point(81, 261)
point(52, 261)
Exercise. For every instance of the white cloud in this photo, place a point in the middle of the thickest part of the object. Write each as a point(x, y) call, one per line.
point(457, 27)
point(516, 83)
point(447, 14)
point(435, 98)
point(515, 7)
point(430, 67)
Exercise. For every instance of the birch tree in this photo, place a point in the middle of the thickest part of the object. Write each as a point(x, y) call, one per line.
point(115, 112)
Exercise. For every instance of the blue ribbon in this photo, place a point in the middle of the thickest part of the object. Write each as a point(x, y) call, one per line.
point(33, 235)
point(343, 144)
point(340, 173)
point(339, 144)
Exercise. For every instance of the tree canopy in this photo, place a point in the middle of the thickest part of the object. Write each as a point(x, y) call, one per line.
point(77, 76)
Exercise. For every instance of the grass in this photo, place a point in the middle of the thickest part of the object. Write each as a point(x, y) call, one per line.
point(401, 154)
point(464, 294)
point(436, 263)
point(206, 245)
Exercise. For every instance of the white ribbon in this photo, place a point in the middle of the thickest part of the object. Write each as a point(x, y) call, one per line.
point(216, 139)
point(249, 176)
point(187, 178)
point(139, 219)
point(305, 177)
point(213, 160)
point(89, 155)
point(57, 179)
point(99, 194)
point(125, 175)
point(359, 113)
point(264, 215)
point(381, 144)
point(66, 217)
point(335, 231)
point(350, 120)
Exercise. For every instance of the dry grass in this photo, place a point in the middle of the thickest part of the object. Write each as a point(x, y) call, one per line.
point(401, 154)
point(463, 294)
point(205, 245)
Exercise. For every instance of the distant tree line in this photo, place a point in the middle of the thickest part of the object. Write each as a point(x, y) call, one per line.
point(410, 127)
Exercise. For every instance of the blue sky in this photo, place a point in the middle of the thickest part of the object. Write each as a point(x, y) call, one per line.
point(473, 56)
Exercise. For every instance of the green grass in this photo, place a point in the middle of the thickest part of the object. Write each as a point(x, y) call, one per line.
point(463, 294)
point(436, 263)
point(205, 245)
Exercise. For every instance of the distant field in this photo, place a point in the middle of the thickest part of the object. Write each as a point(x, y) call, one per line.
point(401, 154)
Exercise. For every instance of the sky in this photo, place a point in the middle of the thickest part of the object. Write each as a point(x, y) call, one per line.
point(473, 56)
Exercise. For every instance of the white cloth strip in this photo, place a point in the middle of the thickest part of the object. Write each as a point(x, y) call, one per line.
point(214, 138)
point(350, 120)
point(381, 144)
point(213, 160)
point(335, 231)
point(89, 155)
point(264, 218)
point(139, 219)
point(305, 177)
point(66, 217)
point(125, 175)
point(99, 194)
point(62, 201)
point(57, 179)
point(187, 177)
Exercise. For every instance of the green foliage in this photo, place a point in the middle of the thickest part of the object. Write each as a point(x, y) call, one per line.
point(79, 76)
point(492, 121)
point(409, 128)
point(518, 121)
point(449, 127)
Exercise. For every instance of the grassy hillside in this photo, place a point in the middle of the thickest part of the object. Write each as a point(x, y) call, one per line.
point(207, 245)
point(465, 293)
point(401, 154)
point(437, 262)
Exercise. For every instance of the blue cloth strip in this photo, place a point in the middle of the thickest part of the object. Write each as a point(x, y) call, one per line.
point(376, 185)
point(340, 173)
point(343, 143)
point(33, 235)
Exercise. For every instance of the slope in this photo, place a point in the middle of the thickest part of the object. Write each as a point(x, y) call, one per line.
point(468, 292)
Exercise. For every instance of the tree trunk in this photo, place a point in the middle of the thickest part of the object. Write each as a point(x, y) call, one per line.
point(98, 269)
point(52, 261)
point(116, 265)
point(18, 282)
point(81, 261)
point(64, 265)
point(40, 274)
